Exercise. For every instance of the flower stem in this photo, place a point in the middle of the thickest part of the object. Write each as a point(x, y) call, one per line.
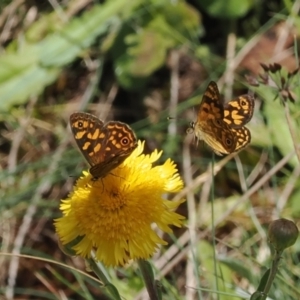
point(100, 274)
point(151, 284)
point(272, 273)
point(287, 115)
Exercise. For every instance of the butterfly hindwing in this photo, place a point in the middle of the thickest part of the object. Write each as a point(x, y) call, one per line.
point(239, 111)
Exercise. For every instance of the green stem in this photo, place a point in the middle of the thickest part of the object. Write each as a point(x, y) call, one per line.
point(292, 132)
point(273, 272)
point(148, 276)
point(100, 274)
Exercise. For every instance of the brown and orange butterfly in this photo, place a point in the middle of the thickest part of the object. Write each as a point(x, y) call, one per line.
point(222, 126)
point(105, 146)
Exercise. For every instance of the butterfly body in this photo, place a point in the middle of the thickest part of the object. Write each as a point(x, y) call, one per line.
point(104, 145)
point(222, 126)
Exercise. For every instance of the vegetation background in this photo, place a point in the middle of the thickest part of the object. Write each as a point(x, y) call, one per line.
point(140, 62)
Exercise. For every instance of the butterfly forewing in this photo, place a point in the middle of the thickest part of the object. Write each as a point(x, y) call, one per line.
point(239, 111)
point(88, 134)
point(211, 107)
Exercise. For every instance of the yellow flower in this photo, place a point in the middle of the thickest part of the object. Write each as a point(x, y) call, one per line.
point(114, 216)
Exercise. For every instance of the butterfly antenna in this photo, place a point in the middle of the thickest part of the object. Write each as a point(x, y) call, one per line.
point(112, 174)
point(170, 118)
point(251, 93)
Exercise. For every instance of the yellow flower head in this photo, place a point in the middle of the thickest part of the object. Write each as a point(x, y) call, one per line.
point(114, 215)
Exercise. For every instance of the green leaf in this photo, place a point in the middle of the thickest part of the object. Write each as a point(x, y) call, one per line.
point(18, 84)
point(123, 69)
point(230, 9)
point(293, 208)
point(263, 281)
point(183, 18)
point(224, 278)
point(153, 286)
point(258, 296)
point(278, 125)
point(240, 267)
point(29, 70)
point(149, 52)
point(113, 291)
point(260, 133)
point(161, 28)
point(146, 53)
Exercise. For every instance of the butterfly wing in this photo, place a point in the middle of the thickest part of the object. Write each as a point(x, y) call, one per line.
point(119, 142)
point(211, 107)
point(209, 123)
point(239, 111)
point(220, 137)
point(225, 140)
point(243, 137)
point(89, 136)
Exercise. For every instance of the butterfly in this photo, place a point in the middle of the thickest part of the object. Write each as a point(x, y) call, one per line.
point(220, 126)
point(105, 146)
